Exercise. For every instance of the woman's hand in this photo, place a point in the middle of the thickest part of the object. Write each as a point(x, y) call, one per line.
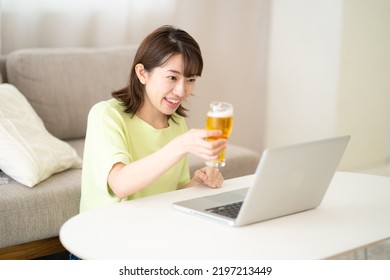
point(209, 176)
point(195, 142)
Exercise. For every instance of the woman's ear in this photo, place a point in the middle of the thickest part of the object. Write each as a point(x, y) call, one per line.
point(142, 74)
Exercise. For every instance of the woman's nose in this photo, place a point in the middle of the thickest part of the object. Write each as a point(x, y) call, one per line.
point(180, 89)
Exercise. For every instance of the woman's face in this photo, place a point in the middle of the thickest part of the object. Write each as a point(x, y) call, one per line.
point(166, 87)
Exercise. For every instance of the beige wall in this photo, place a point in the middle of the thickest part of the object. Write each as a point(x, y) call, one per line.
point(329, 73)
point(232, 35)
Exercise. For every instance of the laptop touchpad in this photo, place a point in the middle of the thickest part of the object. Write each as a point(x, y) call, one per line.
point(229, 197)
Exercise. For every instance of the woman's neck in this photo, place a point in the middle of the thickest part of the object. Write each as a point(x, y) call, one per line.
point(153, 117)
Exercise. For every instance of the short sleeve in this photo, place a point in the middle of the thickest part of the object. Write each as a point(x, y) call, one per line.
point(105, 145)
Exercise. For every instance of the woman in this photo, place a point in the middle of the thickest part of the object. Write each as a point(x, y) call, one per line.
point(137, 142)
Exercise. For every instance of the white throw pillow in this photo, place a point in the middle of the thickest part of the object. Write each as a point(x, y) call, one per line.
point(28, 152)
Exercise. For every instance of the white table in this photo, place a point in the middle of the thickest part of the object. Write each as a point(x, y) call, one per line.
point(354, 213)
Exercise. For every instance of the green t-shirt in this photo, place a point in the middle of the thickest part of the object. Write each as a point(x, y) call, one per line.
point(114, 136)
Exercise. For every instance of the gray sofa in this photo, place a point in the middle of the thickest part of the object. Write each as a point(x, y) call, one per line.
point(62, 85)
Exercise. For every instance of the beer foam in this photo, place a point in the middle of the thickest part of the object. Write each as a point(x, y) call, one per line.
point(221, 114)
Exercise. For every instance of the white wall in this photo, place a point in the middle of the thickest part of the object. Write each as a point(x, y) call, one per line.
point(329, 74)
point(303, 70)
point(232, 35)
point(364, 83)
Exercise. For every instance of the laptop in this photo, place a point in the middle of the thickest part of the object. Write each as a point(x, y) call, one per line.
point(287, 180)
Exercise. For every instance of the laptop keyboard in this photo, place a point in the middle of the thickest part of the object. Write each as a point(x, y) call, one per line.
point(228, 210)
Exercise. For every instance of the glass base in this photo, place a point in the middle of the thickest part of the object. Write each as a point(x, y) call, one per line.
point(215, 163)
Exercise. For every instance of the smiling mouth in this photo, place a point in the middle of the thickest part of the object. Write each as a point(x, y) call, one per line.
point(172, 101)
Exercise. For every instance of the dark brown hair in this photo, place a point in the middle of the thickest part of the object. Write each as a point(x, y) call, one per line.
point(154, 51)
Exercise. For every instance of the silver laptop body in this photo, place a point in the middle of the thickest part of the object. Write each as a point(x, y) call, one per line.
point(287, 180)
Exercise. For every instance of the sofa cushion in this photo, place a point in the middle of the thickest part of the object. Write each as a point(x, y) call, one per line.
point(29, 154)
point(63, 84)
point(29, 214)
point(78, 145)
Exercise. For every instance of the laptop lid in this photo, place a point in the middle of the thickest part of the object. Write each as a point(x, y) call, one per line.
point(287, 180)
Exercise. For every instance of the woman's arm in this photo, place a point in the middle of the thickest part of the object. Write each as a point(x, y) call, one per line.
point(126, 179)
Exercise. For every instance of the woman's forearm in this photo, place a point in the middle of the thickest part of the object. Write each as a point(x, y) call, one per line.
point(126, 179)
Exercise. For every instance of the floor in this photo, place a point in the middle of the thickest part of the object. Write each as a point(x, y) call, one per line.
point(59, 256)
point(380, 251)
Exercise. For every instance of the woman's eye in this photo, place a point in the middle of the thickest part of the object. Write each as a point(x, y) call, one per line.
point(192, 80)
point(173, 78)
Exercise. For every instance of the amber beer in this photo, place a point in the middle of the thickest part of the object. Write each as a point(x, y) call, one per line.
point(219, 117)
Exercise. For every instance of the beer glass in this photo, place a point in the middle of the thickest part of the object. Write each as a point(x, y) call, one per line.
point(219, 117)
